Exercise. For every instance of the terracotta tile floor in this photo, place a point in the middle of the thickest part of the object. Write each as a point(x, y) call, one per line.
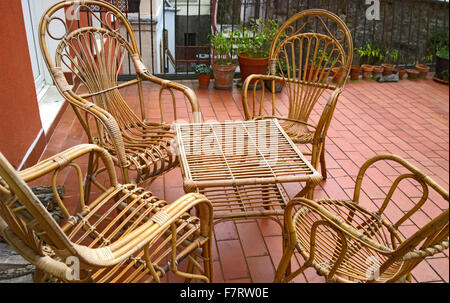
point(408, 118)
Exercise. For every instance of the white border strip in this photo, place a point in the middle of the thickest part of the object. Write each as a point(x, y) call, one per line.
point(32, 146)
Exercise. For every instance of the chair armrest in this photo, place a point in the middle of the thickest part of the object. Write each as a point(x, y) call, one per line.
point(338, 222)
point(63, 158)
point(415, 174)
point(256, 78)
point(166, 84)
point(137, 240)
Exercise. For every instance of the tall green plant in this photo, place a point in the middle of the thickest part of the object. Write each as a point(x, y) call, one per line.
point(256, 40)
point(222, 45)
point(370, 54)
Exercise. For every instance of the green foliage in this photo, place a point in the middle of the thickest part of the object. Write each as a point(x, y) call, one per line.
point(222, 45)
point(438, 42)
point(202, 69)
point(322, 57)
point(370, 54)
point(256, 40)
point(392, 56)
point(443, 53)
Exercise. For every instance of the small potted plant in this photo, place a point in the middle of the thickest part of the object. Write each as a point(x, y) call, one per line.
point(423, 68)
point(389, 67)
point(224, 65)
point(413, 74)
point(253, 46)
point(401, 70)
point(369, 56)
point(203, 73)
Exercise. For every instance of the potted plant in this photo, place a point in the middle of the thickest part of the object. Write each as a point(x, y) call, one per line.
point(442, 65)
point(389, 67)
point(203, 73)
point(253, 46)
point(413, 74)
point(223, 64)
point(369, 56)
point(423, 68)
point(401, 70)
point(439, 46)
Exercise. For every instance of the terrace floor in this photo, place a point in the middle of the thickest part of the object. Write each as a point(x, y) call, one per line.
point(408, 118)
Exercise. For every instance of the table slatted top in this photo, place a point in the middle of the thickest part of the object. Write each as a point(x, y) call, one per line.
point(240, 153)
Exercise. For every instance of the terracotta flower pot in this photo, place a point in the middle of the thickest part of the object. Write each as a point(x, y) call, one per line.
point(367, 71)
point(423, 70)
point(377, 70)
point(354, 72)
point(412, 74)
point(337, 72)
point(401, 73)
point(388, 69)
point(223, 75)
point(250, 66)
point(311, 73)
point(203, 80)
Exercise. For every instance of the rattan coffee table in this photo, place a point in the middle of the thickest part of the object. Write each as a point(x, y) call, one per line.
point(239, 166)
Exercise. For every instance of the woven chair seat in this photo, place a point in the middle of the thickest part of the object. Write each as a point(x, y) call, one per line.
point(298, 132)
point(134, 207)
point(360, 258)
point(148, 151)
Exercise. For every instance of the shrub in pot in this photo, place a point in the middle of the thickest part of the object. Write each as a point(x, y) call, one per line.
point(442, 65)
point(389, 67)
point(370, 56)
point(223, 64)
point(412, 74)
point(203, 72)
point(253, 46)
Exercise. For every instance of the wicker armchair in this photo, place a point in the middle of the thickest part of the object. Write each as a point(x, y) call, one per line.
point(124, 235)
point(347, 243)
point(304, 52)
point(97, 40)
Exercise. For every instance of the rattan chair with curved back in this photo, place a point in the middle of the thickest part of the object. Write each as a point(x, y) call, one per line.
point(125, 234)
point(345, 242)
point(303, 53)
point(97, 40)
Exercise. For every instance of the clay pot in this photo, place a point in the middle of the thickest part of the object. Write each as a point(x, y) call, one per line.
point(413, 74)
point(310, 73)
point(423, 70)
point(203, 80)
point(388, 69)
point(367, 71)
point(250, 66)
point(223, 75)
point(337, 71)
point(377, 70)
point(355, 71)
point(401, 73)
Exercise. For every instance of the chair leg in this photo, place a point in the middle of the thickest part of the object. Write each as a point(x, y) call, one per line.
point(323, 165)
point(284, 267)
point(207, 260)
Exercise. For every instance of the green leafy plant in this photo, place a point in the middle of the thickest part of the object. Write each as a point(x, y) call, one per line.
point(322, 57)
point(392, 56)
point(202, 69)
point(222, 45)
point(369, 54)
point(438, 42)
point(255, 41)
point(443, 53)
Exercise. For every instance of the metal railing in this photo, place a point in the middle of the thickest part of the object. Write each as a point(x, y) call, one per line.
point(173, 35)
